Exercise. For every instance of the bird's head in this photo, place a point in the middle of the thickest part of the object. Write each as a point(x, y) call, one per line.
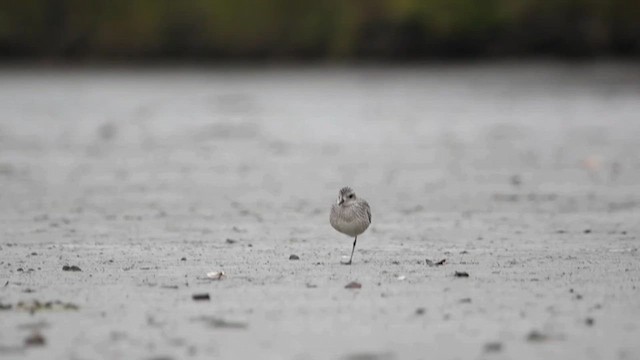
point(346, 196)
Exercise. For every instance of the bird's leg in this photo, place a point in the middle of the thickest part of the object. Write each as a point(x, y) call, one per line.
point(353, 249)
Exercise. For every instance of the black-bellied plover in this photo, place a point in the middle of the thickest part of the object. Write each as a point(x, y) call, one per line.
point(350, 215)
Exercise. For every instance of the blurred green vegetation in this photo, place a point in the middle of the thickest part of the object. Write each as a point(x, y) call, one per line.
point(335, 29)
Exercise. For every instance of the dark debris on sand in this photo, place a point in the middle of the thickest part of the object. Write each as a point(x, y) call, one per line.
point(71, 268)
point(353, 285)
point(35, 339)
point(435, 263)
point(493, 347)
point(537, 336)
point(201, 297)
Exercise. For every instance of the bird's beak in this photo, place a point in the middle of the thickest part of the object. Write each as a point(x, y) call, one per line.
point(340, 200)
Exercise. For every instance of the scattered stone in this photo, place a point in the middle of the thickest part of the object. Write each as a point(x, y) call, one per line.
point(395, 262)
point(461, 274)
point(493, 347)
point(311, 286)
point(201, 297)
point(435, 263)
point(183, 259)
point(401, 277)
point(589, 321)
point(578, 297)
point(294, 257)
point(353, 285)
point(35, 339)
point(587, 231)
point(5, 306)
point(231, 241)
point(465, 300)
point(71, 268)
point(420, 311)
point(536, 336)
point(216, 275)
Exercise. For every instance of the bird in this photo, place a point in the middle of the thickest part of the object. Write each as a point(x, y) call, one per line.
point(350, 215)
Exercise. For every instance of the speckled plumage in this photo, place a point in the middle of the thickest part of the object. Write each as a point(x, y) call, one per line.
point(350, 215)
point(351, 220)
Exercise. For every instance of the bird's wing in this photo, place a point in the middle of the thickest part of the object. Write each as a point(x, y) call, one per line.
point(368, 211)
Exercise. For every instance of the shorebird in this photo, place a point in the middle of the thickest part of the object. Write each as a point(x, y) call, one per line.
point(350, 215)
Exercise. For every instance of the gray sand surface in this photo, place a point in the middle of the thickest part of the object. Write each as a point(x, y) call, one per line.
point(527, 177)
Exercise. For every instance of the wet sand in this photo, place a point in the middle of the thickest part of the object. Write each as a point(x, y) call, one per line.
point(524, 176)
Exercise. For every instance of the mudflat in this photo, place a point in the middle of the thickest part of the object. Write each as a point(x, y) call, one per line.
point(153, 213)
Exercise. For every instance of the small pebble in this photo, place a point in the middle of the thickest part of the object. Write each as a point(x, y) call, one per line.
point(461, 274)
point(353, 285)
point(420, 311)
point(435, 263)
point(35, 339)
point(71, 268)
point(201, 297)
point(294, 257)
point(493, 347)
point(589, 321)
point(536, 336)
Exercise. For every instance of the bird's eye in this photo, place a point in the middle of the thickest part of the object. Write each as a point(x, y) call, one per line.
point(351, 196)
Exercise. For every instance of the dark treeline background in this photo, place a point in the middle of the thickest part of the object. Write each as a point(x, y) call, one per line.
point(329, 29)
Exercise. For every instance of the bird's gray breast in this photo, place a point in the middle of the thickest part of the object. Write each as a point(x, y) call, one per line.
point(352, 220)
